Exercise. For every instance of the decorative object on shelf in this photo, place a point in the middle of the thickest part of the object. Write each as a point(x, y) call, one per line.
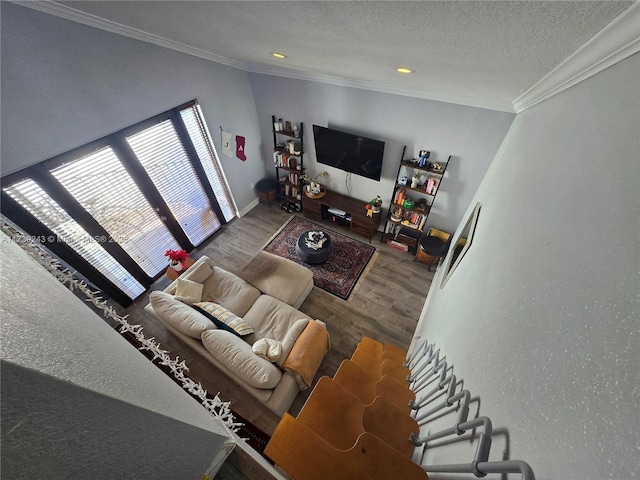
point(408, 203)
point(421, 206)
point(424, 154)
point(312, 187)
point(415, 179)
point(293, 147)
point(314, 190)
point(437, 167)
point(397, 213)
point(403, 180)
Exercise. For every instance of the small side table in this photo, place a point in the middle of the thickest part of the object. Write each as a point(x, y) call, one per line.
point(172, 274)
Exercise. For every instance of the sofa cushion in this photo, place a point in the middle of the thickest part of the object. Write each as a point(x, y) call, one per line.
point(223, 318)
point(235, 354)
point(279, 277)
point(199, 271)
point(271, 318)
point(188, 291)
point(230, 291)
point(179, 315)
point(290, 339)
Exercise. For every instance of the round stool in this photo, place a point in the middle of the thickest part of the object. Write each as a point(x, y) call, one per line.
point(314, 246)
point(430, 250)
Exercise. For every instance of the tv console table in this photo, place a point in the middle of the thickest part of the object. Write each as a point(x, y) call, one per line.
point(357, 219)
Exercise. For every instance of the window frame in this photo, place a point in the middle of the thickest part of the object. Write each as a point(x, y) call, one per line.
point(117, 141)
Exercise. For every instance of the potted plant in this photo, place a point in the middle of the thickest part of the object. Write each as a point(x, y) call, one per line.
point(296, 148)
point(375, 204)
point(179, 262)
point(415, 179)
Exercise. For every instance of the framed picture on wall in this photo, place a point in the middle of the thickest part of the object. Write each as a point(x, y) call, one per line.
point(461, 244)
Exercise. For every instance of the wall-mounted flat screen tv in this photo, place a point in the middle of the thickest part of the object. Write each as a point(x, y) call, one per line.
point(351, 153)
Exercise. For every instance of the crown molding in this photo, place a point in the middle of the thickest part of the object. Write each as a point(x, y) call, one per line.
point(618, 40)
point(78, 16)
point(489, 104)
point(84, 18)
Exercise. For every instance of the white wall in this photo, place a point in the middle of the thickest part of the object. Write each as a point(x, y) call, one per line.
point(541, 317)
point(78, 401)
point(65, 84)
point(471, 135)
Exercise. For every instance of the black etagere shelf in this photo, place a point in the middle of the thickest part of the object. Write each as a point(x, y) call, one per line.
point(288, 159)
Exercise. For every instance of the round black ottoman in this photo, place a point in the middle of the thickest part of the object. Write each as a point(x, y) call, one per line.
point(314, 246)
point(430, 250)
point(432, 245)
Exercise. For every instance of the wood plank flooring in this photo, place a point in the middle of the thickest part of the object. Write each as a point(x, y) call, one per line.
point(386, 306)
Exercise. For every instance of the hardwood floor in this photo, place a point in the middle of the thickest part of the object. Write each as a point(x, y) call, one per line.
point(385, 306)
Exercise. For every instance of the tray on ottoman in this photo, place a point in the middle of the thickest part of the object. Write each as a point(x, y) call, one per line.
point(314, 246)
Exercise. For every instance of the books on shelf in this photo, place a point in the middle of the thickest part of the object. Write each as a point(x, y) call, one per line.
point(432, 185)
point(290, 191)
point(414, 220)
point(293, 178)
point(401, 195)
point(283, 160)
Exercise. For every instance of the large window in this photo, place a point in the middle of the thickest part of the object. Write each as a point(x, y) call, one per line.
point(112, 208)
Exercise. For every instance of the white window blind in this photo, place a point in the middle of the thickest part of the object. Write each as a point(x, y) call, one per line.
point(37, 202)
point(194, 121)
point(104, 188)
point(163, 156)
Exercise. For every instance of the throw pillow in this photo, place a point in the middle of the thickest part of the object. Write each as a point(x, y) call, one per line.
point(188, 292)
point(267, 348)
point(223, 318)
point(178, 315)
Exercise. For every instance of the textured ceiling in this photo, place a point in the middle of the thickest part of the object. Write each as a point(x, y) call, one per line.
point(484, 53)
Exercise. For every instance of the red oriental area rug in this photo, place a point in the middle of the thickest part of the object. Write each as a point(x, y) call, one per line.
point(340, 273)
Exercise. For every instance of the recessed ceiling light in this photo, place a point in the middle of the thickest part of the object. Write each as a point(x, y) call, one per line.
point(404, 70)
point(278, 55)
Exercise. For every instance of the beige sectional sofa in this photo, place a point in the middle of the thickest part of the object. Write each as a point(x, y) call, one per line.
point(208, 307)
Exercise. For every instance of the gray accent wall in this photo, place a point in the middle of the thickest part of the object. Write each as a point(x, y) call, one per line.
point(541, 317)
point(79, 401)
point(471, 135)
point(65, 84)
